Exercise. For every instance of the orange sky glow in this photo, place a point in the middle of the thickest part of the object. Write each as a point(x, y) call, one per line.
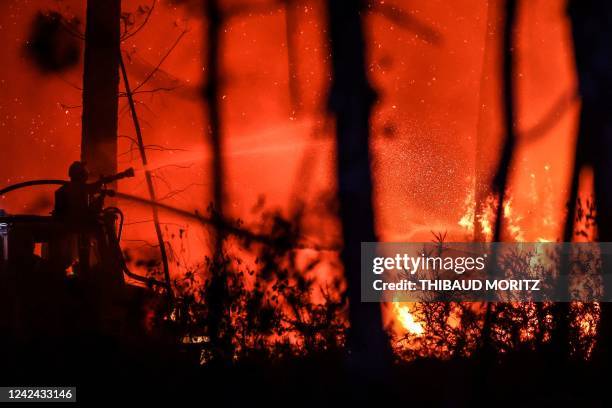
point(438, 104)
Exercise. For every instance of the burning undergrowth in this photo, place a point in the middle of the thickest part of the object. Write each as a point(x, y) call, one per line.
point(262, 295)
point(455, 330)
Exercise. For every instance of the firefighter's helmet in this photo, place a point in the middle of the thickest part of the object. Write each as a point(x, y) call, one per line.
point(78, 172)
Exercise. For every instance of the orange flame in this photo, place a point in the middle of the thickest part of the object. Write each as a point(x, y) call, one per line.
point(406, 318)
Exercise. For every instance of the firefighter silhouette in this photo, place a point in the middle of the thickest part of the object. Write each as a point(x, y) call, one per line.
point(72, 199)
point(72, 209)
point(78, 208)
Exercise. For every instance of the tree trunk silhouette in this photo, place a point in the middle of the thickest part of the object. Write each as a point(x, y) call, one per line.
point(213, 101)
point(149, 179)
point(500, 180)
point(351, 100)
point(591, 32)
point(217, 292)
point(101, 86)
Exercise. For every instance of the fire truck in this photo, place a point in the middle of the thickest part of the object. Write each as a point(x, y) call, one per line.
point(40, 295)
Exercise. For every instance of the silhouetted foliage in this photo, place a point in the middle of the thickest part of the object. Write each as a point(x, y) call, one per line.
point(272, 304)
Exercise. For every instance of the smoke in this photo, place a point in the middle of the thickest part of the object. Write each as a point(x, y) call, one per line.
point(53, 44)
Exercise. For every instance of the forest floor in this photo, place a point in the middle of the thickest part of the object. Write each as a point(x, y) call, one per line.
point(103, 370)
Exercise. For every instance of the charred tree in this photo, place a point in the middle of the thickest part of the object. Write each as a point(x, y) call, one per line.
point(351, 100)
point(101, 86)
point(591, 32)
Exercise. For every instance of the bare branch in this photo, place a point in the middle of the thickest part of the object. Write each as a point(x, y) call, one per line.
point(406, 20)
point(176, 192)
point(150, 75)
point(129, 35)
point(551, 117)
